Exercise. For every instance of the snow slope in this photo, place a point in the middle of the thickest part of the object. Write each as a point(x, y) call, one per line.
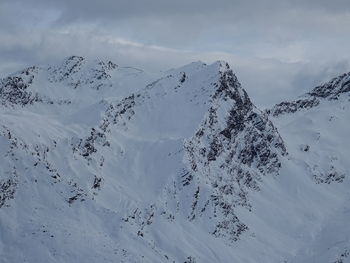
point(104, 163)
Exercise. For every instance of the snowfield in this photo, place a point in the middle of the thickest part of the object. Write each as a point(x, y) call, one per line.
point(104, 163)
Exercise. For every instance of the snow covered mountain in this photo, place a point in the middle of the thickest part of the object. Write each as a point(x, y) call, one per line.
point(104, 163)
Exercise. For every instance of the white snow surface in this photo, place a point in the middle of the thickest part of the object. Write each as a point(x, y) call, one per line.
point(125, 201)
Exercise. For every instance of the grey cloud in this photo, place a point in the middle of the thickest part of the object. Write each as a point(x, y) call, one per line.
point(117, 9)
point(277, 47)
point(179, 23)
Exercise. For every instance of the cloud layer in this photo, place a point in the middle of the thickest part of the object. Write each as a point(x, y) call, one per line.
point(278, 48)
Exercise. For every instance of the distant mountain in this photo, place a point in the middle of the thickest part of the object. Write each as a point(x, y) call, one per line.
point(105, 163)
point(335, 89)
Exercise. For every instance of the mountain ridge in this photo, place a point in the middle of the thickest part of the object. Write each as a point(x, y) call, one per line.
point(119, 165)
point(332, 90)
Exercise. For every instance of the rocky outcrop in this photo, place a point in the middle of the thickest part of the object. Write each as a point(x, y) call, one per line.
point(17, 89)
point(7, 190)
point(235, 146)
point(331, 90)
point(76, 72)
point(14, 89)
point(69, 67)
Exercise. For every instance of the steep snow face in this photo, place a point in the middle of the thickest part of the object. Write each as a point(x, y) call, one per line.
point(101, 162)
point(317, 140)
point(330, 101)
point(315, 135)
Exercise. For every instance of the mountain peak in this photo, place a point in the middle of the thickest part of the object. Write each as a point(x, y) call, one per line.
point(222, 65)
point(234, 147)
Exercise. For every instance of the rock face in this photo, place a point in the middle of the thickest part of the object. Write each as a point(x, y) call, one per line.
point(235, 146)
point(332, 90)
point(14, 89)
point(71, 72)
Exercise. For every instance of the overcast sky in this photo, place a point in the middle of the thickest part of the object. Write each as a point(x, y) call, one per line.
point(278, 48)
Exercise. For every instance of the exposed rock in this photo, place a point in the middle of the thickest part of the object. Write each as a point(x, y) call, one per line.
point(331, 90)
point(7, 190)
point(14, 89)
point(233, 148)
